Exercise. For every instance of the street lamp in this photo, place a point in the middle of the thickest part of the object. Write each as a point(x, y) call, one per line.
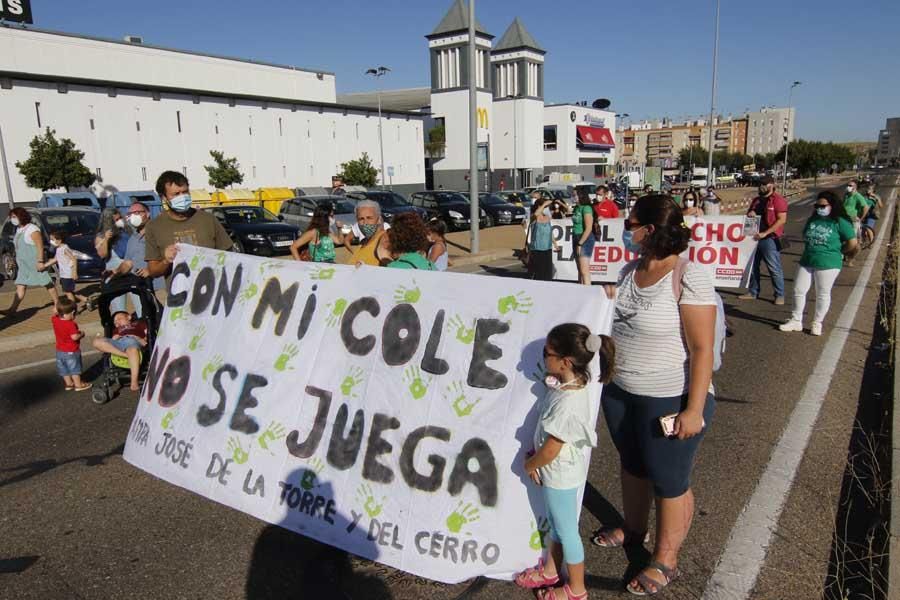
point(712, 103)
point(513, 97)
point(787, 141)
point(377, 73)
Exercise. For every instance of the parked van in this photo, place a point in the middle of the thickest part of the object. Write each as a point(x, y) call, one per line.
point(123, 200)
point(61, 199)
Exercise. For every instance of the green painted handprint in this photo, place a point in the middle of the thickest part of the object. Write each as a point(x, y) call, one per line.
point(460, 404)
point(520, 303)
point(538, 533)
point(220, 259)
point(195, 262)
point(311, 474)
point(270, 265)
point(212, 366)
point(238, 453)
point(462, 515)
point(322, 273)
point(353, 378)
point(464, 334)
point(287, 353)
point(248, 293)
point(274, 432)
point(337, 311)
point(194, 344)
point(407, 295)
point(365, 495)
point(177, 314)
point(418, 387)
point(166, 422)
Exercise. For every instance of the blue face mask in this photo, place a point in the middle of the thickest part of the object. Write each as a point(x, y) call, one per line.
point(631, 245)
point(823, 211)
point(180, 203)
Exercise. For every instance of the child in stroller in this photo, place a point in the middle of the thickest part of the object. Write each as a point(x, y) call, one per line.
point(127, 343)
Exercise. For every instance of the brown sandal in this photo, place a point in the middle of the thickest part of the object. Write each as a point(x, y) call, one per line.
point(603, 537)
point(650, 587)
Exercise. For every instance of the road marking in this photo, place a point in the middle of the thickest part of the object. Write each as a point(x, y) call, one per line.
point(735, 574)
point(40, 363)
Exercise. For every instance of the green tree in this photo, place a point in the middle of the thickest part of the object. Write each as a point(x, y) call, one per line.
point(437, 137)
point(359, 172)
point(696, 155)
point(55, 164)
point(225, 172)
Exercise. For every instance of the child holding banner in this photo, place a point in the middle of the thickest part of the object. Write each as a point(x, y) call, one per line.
point(558, 465)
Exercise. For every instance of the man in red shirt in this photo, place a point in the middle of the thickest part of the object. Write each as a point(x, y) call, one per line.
point(771, 208)
point(68, 345)
point(605, 207)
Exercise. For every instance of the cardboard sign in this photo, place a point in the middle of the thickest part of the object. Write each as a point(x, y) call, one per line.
point(383, 411)
point(723, 245)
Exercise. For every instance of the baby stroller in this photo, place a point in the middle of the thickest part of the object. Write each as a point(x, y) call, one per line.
point(115, 368)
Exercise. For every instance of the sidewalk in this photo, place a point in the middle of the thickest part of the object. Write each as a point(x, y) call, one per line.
point(31, 326)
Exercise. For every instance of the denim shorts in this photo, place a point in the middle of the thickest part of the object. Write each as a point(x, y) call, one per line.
point(870, 223)
point(646, 453)
point(68, 363)
point(67, 285)
point(586, 250)
point(124, 343)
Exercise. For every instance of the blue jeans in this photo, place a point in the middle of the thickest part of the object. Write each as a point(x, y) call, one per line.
point(767, 250)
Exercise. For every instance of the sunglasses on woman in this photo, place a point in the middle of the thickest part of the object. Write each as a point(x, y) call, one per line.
point(632, 226)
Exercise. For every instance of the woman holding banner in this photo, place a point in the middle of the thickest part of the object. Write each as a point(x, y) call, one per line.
point(660, 400)
point(583, 235)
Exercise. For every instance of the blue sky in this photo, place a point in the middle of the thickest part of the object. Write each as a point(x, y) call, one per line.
point(650, 57)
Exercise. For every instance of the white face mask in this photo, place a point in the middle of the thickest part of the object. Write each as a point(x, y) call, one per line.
point(120, 223)
point(553, 382)
point(54, 243)
point(689, 203)
point(849, 189)
point(14, 221)
point(135, 220)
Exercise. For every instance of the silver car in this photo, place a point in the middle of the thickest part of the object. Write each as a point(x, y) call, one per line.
point(299, 211)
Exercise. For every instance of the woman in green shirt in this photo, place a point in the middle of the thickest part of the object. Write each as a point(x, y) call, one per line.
point(583, 235)
point(320, 237)
point(828, 236)
point(408, 240)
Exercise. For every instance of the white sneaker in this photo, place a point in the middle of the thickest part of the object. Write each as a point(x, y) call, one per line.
point(791, 325)
point(815, 329)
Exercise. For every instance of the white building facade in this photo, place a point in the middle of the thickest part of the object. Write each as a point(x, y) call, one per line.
point(136, 110)
point(579, 139)
point(768, 129)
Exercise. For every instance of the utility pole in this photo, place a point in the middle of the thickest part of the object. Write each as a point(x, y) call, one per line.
point(473, 132)
point(9, 194)
point(787, 141)
point(515, 144)
point(712, 104)
point(377, 73)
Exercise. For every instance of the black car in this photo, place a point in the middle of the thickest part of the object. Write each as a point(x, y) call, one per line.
point(391, 203)
point(499, 211)
point(451, 207)
point(255, 230)
point(80, 226)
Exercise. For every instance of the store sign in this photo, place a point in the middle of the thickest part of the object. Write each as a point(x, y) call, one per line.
point(18, 11)
point(592, 121)
point(386, 412)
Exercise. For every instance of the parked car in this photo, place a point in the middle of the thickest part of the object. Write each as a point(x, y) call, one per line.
point(80, 225)
point(299, 211)
point(517, 197)
point(451, 207)
point(255, 230)
point(391, 203)
point(499, 211)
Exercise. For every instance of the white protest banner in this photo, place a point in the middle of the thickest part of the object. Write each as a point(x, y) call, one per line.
point(383, 411)
point(724, 245)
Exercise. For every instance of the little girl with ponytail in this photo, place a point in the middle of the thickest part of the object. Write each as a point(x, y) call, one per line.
point(558, 465)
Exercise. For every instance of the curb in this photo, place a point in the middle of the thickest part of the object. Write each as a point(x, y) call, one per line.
point(467, 259)
point(42, 338)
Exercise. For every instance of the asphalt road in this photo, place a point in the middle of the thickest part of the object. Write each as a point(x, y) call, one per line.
point(76, 521)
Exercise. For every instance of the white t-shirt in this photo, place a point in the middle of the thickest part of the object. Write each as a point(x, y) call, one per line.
point(566, 415)
point(64, 261)
point(27, 230)
point(651, 352)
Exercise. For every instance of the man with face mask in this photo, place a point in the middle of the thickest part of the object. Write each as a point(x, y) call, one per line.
point(135, 254)
point(855, 205)
point(372, 248)
point(179, 224)
point(771, 208)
